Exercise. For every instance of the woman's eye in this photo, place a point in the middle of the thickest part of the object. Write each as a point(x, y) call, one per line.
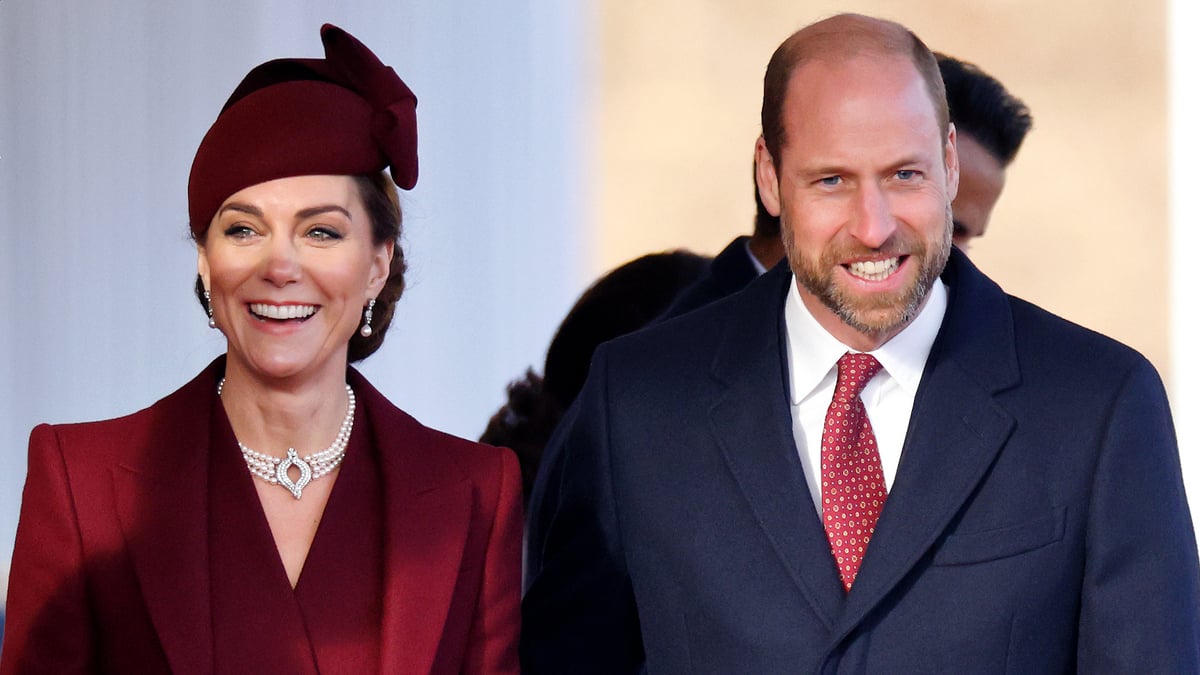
point(324, 234)
point(239, 231)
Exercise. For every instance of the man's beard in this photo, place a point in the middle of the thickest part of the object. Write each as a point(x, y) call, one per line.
point(875, 314)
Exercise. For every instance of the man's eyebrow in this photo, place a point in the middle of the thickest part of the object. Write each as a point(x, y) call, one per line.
point(909, 160)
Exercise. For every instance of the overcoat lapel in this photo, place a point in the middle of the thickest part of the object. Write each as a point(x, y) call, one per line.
point(956, 430)
point(754, 431)
point(161, 500)
point(427, 511)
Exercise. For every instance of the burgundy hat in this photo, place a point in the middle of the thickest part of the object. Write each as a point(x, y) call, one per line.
point(346, 114)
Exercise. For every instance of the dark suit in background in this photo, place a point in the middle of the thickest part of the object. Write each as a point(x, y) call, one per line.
point(738, 264)
point(729, 272)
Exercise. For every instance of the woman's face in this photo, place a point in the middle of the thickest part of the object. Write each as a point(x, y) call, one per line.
point(290, 265)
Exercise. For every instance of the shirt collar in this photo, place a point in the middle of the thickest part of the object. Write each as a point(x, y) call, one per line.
point(813, 352)
point(758, 266)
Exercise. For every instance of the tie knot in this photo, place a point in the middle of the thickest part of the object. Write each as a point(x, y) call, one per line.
point(854, 371)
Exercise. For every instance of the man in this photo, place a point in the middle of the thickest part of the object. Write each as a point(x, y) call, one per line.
point(991, 124)
point(736, 265)
point(715, 506)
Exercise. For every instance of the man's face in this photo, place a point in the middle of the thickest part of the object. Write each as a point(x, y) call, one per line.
point(981, 178)
point(863, 189)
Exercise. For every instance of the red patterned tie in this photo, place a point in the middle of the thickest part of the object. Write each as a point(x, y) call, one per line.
point(852, 487)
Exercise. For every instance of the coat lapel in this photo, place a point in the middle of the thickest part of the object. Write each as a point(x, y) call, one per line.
point(161, 500)
point(427, 513)
point(754, 432)
point(956, 431)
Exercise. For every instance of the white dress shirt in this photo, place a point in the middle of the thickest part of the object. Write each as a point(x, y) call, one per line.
point(812, 355)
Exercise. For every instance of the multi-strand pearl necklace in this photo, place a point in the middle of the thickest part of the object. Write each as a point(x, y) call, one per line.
point(275, 470)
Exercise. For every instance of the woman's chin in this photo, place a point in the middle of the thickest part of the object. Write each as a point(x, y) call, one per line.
point(283, 364)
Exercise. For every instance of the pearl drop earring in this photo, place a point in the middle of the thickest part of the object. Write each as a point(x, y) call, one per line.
point(212, 323)
point(366, 331)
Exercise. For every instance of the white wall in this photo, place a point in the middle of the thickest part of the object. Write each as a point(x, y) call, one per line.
point(102, 105)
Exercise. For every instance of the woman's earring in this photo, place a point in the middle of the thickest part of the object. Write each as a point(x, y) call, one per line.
point(366, 331)
point(212, 323)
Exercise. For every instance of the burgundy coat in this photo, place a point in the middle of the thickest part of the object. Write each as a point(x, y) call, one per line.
point(110, 570)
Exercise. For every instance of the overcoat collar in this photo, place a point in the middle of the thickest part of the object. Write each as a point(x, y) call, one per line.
point(955, 432)
point(161, 493)
point(161, 497)
point(427, 510)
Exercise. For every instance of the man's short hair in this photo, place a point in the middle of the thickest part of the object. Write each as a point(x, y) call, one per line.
point(842, 37)
point(981, 107)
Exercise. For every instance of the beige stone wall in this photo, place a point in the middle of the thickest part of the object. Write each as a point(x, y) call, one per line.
point(1082, 227)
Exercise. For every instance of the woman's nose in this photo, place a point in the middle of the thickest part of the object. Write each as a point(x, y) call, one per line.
point(281, 264)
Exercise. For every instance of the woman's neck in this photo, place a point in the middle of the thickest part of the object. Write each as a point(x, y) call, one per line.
point(272, 416)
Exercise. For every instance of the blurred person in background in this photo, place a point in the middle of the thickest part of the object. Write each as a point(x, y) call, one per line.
point(622, 301)
point(737, 264)
point(991, 125)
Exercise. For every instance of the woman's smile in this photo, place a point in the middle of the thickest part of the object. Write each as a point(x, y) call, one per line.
point(282, 312)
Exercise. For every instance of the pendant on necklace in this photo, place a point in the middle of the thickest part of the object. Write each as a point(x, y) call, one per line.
point(281, 473)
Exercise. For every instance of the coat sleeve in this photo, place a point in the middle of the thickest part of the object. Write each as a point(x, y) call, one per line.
point(48, 628)
point(1140, 608)
point(495, 629)
point(579, 614)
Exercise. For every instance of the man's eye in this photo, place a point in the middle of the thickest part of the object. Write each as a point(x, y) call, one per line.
point(831, 180)
point(906, 174)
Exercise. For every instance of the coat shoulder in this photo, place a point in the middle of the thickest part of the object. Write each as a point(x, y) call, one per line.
point(441, 453)
point(104, 442)
point(1004, 339)
point(477, 460)
point(1054, 344)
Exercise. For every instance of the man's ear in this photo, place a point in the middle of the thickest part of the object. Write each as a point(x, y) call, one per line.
point(952, 171)
point(766, 176)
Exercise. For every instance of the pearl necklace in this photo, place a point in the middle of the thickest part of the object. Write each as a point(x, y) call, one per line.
point(275, 470)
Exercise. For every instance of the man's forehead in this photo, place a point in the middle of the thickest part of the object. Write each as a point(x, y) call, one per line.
point(834, 107)
point(821, 86)
point(876, 62)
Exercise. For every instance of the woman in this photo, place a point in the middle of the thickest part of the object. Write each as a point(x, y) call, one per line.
point(277, 514)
